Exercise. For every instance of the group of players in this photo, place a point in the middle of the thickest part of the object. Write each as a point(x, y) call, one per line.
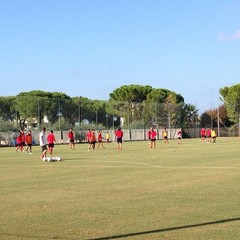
point(92, 139)
point(152, 135)
point(208, 135)
point(23, 140)
point(47, 141)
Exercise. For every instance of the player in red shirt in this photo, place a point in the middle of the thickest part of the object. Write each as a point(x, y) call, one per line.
point(208, 135)
point(179, 135)
point(92, 139)
point(28, 141)
point(203, 134)
point(119, 136)
point(88, 136)
point(100, 139)
point(20, 140)
point(149, 135)
point(71, 140)
point(51, 140)
point(152, 137)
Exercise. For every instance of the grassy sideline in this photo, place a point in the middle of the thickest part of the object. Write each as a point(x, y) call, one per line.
point(173, 192)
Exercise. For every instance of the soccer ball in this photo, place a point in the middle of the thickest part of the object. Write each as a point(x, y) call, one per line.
point(51, 159)
point(58, 159)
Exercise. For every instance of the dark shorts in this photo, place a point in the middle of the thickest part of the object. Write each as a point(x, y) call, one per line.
point(51, 145)
point(119, 140)
point(29, 144)
point(165, 138)
point(153, 140)
point(93, 142)
point(44, 148)
point(71, 140)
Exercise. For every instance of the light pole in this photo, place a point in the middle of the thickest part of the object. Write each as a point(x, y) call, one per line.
point(218, 121)
point(106, 119)
point(59, 115)
point(38, 115)
point(211, 116)
point(79, 111)
point(169, 119)
point(113, 120)
point(96, 117)
point(79, 114)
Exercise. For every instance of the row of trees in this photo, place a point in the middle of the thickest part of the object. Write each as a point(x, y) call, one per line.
point(135, 105)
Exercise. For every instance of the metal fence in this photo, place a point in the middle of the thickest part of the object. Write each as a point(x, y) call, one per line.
point(9, 138)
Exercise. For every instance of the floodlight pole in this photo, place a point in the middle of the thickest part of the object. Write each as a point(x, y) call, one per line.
point(211, 116)
point(113, 121)
point(79, 118)
point(96, 116)
point(79, 111)
point(59, 115)
point(238, 124)
point(218, 122)
point(38, 115)
point(169, 120)
point(106, 120)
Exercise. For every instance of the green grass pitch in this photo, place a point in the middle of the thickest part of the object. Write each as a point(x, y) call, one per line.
point(173, 192)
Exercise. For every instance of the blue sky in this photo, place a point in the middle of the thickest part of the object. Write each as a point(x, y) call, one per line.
point(91, 47)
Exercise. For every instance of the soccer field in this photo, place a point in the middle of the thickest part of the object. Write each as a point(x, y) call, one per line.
point(173, 192)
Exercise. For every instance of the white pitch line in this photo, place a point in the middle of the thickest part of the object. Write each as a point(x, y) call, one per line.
point(145, 164)
point(176, 167)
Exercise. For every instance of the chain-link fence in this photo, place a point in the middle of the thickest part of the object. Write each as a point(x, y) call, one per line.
point(135, 118)
point(9, 138)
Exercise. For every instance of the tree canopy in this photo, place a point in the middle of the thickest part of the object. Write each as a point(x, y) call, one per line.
point(231, 98)
point(145, 103)
point(131, 93)
point(132, 103)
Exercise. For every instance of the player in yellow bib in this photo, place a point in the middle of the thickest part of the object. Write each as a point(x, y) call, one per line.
point(165, 136)
point(107, 137)
point(213, 135)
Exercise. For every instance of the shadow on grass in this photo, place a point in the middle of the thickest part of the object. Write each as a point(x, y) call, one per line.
point(166, 229)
